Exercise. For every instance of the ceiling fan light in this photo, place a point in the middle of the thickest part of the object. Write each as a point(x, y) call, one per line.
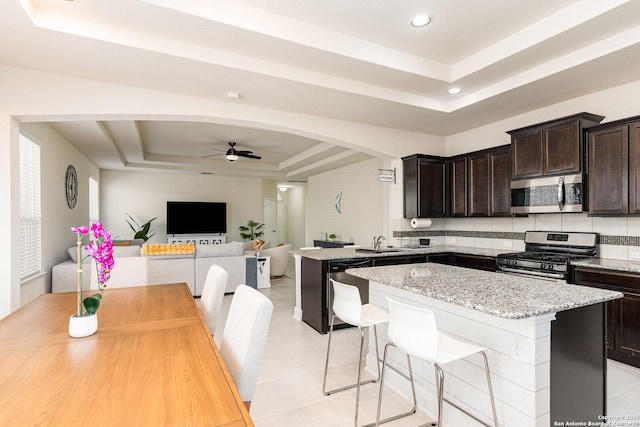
point(232, 155)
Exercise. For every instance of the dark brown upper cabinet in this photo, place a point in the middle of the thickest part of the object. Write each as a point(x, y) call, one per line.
point(500, 179)
point(425, 186)
point(613, 152)
point(550, 148)
point(480, 183)
point(458, 185)
point(479, 186)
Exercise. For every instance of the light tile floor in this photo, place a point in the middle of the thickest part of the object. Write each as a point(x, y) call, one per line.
point(289, 389)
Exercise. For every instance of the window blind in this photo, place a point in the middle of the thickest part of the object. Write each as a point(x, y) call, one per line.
point(30, 214)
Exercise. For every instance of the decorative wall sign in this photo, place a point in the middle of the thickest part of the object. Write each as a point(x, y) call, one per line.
point(71, 186)
point(338, 197)
point(387, 175)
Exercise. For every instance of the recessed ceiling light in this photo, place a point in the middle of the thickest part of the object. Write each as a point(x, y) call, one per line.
point(420, 20)
point(454, 90)
point(233, 95)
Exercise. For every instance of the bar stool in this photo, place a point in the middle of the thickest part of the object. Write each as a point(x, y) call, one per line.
point(414, 331)
point(347, 305)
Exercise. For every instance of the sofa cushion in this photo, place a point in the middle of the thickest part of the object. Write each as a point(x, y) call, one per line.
point(73, 253)
point(118, 251)
point(132, 242)
point(128, 251)
point(212, 251)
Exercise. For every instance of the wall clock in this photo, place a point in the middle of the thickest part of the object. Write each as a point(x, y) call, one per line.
point(71, 186)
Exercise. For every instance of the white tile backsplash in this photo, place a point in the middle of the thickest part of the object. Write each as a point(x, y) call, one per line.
point(502, 224)
point(483, 224)
point(633, 226)
point(612, 226)
point(577, 222)
point(580, 222)
point(548, 222)
point(522, 224)
point(613, 252)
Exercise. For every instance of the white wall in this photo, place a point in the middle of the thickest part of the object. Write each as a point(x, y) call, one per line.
point(363, 204)
point(9, 215)
point(144, 195)
point(296, 215)
point(56, 154)
point(34, 96)
point(614, 104)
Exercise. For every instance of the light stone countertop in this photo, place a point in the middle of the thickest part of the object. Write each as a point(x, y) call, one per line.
point(498, 294)
point(610, 264)
point(330, 254)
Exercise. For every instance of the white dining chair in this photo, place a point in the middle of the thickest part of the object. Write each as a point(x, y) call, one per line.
point(347, 305)
point(212, 294)
point(244, 336)
point(414, 331)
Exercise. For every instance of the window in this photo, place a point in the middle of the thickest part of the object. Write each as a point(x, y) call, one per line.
point(30, 215)
point(94, 200)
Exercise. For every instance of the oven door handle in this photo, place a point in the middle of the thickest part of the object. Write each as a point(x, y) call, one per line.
point(525, 273)
point(561, 197)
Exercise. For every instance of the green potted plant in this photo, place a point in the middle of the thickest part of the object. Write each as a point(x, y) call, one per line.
point(142, 231)
point(252, 230)
point(332, 237)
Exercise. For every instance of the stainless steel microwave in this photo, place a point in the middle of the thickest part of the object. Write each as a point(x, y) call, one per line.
point(555, 194)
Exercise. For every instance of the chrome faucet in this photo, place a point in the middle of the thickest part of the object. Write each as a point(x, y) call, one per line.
point(375, 243)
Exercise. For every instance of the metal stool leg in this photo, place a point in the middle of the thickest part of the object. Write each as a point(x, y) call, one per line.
point(493, 403)
point(358, 383)
point(440, 386)
point(326, 364)
point(441, 399)
point(413, 391)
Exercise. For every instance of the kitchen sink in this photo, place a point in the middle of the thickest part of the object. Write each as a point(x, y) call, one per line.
point(377, 251)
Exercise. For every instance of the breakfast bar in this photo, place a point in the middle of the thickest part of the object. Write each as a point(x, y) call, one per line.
point(546, 341)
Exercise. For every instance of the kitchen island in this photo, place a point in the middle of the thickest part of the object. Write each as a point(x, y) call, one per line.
point(547, 342)
point(315, 267)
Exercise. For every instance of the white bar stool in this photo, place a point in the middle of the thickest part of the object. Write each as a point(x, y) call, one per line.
point(347, 305)
point(414, 331)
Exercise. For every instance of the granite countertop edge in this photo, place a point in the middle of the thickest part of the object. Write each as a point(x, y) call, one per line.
point(609, 264)
point(329, 254)
point(497, 294)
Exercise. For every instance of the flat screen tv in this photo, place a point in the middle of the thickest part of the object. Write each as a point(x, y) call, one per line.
point(196, 218)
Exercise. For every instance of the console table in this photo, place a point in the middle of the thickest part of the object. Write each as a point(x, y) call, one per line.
point(197, 239)
point(152, 362)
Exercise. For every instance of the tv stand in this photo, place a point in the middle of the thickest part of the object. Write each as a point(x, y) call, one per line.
point(198, 239)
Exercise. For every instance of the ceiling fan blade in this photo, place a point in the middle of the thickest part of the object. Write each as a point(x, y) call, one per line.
point(249, 156)
point(212, 155)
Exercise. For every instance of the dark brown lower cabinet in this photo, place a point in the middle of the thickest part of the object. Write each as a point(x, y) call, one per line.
point(623, 315)
point(477, 262)
point(314, 285)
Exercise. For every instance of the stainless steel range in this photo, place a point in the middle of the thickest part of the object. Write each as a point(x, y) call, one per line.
point(548, 253)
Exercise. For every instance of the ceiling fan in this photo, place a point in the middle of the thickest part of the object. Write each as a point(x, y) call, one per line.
point(232, 154)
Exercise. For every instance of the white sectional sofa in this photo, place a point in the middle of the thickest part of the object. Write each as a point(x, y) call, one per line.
point(132, 268)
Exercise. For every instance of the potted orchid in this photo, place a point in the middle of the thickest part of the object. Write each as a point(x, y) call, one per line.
point(100, 249)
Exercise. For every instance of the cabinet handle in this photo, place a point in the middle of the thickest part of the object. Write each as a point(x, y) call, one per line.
point(561, 193)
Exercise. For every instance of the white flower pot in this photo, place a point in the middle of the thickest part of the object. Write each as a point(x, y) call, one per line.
point(83, 326)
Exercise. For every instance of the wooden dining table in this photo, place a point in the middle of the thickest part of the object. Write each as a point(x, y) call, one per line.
point(152, 362)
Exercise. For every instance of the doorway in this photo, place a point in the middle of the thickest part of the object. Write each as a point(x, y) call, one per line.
point(274, 220)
